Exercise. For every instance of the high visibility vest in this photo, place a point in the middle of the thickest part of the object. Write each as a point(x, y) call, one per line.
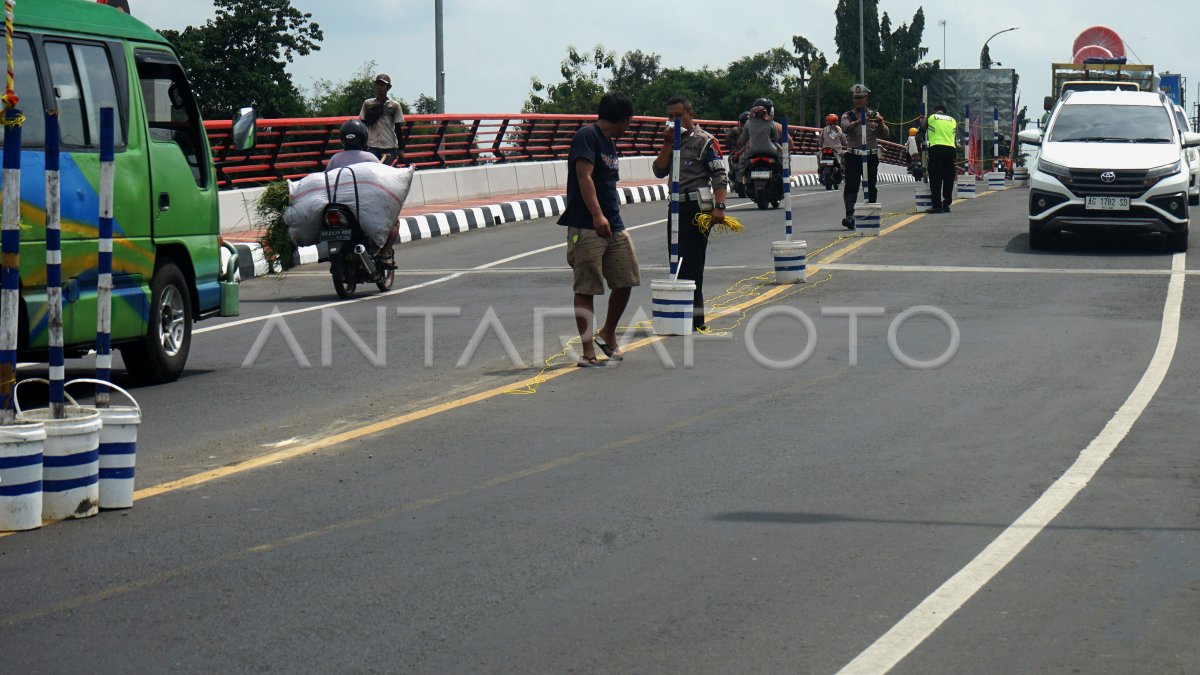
point(942, 130)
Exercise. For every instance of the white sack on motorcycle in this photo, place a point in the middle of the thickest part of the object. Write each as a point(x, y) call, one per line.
point(381, 193)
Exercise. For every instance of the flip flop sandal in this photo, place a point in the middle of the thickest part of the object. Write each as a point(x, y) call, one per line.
point(585, 362)
point(609, 351)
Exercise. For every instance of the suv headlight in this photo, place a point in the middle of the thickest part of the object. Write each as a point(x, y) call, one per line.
point(1158, 173)
point(1057, 170)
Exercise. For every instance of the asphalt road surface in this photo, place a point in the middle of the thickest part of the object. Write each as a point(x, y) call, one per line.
point(1001, 480)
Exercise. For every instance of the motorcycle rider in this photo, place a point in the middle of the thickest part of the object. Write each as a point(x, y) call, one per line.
point(762, 134)
point(833, 138)
point(733, 142)
point(353, 133)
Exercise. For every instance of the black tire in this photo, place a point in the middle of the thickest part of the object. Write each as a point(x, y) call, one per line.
point(1177, 242)
point(344, 277)
point(774, 205)
point(385, 280)
point(1039, 239)
point(760, 198)
point(162, 353)
point(741, 191)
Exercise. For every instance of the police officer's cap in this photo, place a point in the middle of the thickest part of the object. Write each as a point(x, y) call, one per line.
point(860, 90)
point(939, 108)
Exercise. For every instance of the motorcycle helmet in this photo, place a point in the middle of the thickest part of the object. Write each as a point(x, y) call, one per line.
point(831, 119)
point(353, 134)
point(743, 117)
point(912, 131)
point(765, 103)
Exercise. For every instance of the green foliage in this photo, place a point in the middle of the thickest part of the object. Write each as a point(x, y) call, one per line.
point(788, 77)
point(238, 57)
point(333, 99)
point(581, 88)
point(277, 244)
point(425, 105)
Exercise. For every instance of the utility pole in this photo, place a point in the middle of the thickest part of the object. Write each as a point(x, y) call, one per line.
point(862, 59)
point(439, 44)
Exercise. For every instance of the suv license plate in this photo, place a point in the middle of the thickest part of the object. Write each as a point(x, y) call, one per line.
point(336, 234)
point(827, 162)
point(764, 175)
point(1107, 204)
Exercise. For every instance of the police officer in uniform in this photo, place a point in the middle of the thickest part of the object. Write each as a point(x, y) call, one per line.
point(876, 128)
point(701, 173)
point(940, 132)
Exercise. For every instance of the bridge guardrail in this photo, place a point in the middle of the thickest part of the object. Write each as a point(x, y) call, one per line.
point(292, 148)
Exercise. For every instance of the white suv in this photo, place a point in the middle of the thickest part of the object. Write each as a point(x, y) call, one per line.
point(1112, 161)
point(1193, 159)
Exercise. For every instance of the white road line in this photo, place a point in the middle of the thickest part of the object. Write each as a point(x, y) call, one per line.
point(434, 282)
point(928, 616)
point(851, 267)
point(407, 289)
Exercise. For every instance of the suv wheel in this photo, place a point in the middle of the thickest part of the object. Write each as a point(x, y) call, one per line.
point(1178, 242)
point(1038, 238)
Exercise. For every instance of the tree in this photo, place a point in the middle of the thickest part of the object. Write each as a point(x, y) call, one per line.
point(812, 64)
point(581, 88)
point(425, 105)
point(846, 34)
point(238, 57)
point(332, 99)
point(636, 70)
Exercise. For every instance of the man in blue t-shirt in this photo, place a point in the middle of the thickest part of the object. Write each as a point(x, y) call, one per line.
point(598, 247)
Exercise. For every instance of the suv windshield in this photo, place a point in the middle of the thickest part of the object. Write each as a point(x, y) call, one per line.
point(1085, 123)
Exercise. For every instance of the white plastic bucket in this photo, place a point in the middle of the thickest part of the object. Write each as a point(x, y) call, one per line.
point(965, 186)
point(995, 180)
point(70, 459)
point(867, 218)
point(1020, 177)
point(21, 445)
point(791, 261)
point(923, 197)
point(672, 306)
point(118, 449)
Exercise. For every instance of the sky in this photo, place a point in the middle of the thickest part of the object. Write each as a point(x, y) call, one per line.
point(493, 47)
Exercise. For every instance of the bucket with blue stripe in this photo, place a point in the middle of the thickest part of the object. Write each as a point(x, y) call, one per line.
point(996, 180)
point(118, 448)
point(923, 197)
point(867, 218)
point(70, 460)
point(791, 261)
point(672, 306)
point(965, 186)
point(21, 476)
point(1021, 177)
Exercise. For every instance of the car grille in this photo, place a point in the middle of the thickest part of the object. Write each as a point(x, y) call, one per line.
point(1130, 184)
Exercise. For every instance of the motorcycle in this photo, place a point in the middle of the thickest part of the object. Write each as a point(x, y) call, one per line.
point(353, 257)
point(830, 169)
point(764, 181)
point(735, 175)
point(916, 168)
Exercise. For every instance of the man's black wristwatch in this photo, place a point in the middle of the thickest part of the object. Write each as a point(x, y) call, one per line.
point(720, 205)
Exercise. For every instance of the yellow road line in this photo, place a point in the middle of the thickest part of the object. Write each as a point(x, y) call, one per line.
point(169, 575)
point(407, 418)
point(392, 423)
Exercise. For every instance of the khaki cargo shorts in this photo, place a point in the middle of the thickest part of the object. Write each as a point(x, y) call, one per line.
point(596, 259)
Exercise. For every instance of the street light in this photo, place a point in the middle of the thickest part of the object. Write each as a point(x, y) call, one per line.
point(942, 23)
point(983, 60)
point(900, 121)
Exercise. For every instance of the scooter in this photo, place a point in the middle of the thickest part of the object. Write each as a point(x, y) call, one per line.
point(830, 169)
point(735, 175)
point(916, 168)
point(353, 258)
point(764, 181)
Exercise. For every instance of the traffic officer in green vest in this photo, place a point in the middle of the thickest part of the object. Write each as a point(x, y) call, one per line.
point(940, 131)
